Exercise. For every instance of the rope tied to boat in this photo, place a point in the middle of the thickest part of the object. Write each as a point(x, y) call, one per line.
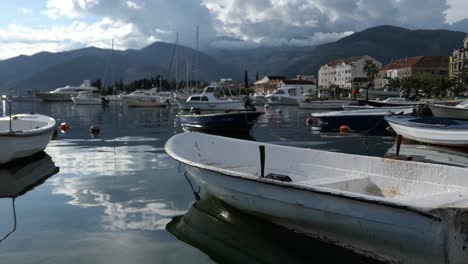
point(195, 193)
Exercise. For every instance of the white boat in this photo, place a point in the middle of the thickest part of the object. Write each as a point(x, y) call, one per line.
point(211, 99)
point(393, 109)
point(392, 101)
point(28, 135)
point(286, 95)
point(114, 98)
point(392, 210)
point(431, 130)
point(460, 111)
point(259, 98)
point(168, 97)
point(324, 104)
point(144, 98)
point(65, 93)
point(88, 98)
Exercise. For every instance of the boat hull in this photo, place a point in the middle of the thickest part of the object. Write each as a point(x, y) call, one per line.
point(332, 105)
point(213, 106)
point(90, 101)
point(56, 97)
point(282, 100)
point(432, 135)
point(238, 122)
point(449, 112)
point(384, 233)
point(371, 124)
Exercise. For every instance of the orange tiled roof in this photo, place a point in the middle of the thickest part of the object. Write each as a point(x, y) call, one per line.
point(418, 62)
point(346, 60)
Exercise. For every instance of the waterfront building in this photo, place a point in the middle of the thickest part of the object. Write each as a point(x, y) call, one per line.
point(459, 60)
point(407, 67)
point(302, 85)
point(268, 84)
point(341, 73)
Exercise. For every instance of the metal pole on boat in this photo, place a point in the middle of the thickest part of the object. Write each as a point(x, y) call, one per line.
point(398, 144)
point(5, 98)
point(262, 160)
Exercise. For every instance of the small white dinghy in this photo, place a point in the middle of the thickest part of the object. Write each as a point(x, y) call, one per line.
point(27, 135)
point(391, 210)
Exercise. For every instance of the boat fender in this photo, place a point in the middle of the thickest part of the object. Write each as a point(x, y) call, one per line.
point(309, 121)
point(64, 127)
point(94, 130)
point(344, 129)
point(390, 129)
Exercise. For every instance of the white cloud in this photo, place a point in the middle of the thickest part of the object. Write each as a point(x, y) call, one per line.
point(18, 39)
point(457, 11)
point(134, 5)
point(26, 11)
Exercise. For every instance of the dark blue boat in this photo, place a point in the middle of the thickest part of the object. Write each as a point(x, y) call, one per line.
point(226, 122)
point(365, 121)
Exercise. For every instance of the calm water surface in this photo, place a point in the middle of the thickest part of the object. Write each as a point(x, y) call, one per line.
point(119, 198)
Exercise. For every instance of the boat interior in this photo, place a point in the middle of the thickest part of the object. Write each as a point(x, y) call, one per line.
point(416, 184)
point(21, 123)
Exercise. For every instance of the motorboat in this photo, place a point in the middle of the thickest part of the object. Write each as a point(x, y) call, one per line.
point(228, 122)
point(394, 109)
point(259, 98)
point(144, 98)
point(212, 99)
point(65, 93)
point(363, 120)
point(431, 130)
point(460, 111)
point(286, 95)
point(23, 135)
point(114, 98)
point(430, 153)
point(391, 210)
point(88, 98)
point(392, 101)
point(310, 103)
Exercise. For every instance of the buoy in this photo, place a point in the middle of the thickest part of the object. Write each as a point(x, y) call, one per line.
point(390, 129)
point(344, 129)
point(94, 130)
point(64, 127)
point(309, 121)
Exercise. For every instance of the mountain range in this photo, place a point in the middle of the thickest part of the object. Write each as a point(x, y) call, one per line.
point(46, 71)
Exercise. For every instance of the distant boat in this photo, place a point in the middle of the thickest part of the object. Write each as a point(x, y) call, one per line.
point(432, 130)
point(392, 101)
point(286, 95)
point(324, 104)
point(88, 98)
point(65, 93)
point(460, 111)
point(28, 135)
point(259, 98)
point(392, 210)
point(144, 98)
point(364, 120)
point(394, 109)
point(229, 122)
point(211, 99)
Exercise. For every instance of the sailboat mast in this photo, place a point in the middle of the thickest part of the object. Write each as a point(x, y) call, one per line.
point(196, 61)
point(176, 62)
point(112, 68)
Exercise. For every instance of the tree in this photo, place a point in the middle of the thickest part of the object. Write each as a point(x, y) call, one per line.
point(371, 69)
point(246, 80)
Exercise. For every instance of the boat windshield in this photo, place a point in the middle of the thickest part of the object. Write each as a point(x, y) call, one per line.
point(194, 98)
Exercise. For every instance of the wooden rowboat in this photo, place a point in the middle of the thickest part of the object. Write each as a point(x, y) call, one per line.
point(391, 210)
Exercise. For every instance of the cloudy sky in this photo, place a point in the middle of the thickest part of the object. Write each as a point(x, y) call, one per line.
point(30, 26)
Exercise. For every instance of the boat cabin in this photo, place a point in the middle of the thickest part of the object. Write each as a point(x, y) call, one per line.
point(210, 94)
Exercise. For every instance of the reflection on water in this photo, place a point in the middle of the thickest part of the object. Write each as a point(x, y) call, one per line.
point(229, 236)
point(21, 176)
point(115, 194)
